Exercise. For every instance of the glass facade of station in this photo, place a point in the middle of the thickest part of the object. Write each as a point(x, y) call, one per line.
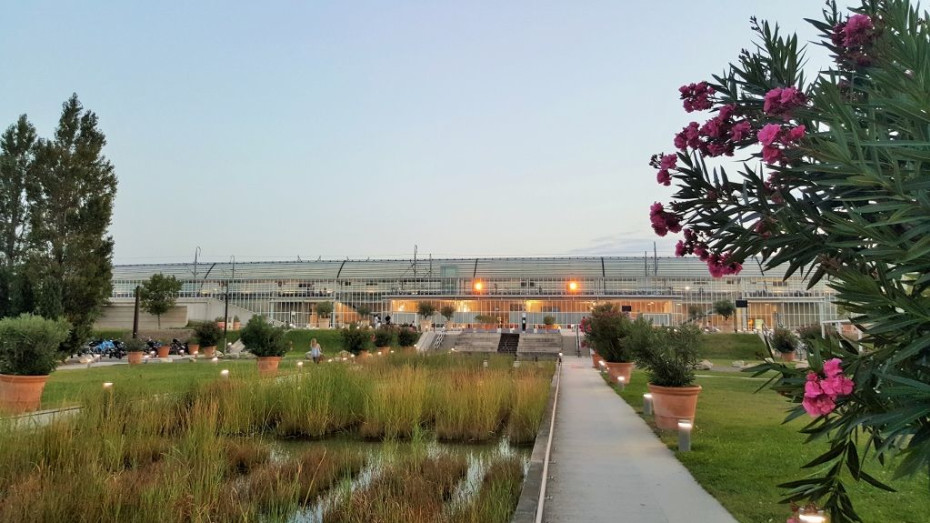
point(668, 291)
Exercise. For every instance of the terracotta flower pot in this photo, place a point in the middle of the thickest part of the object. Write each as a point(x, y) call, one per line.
point(236, 325)
point(596, 360)
point(210, 351)
point(787, 356)
point(362, 355)
point(193, 348)
point(221, 324)
point(268, 365)
point(671, 404)
point(408, 350)
point(615, 370)
point(384, 351)
point(135, 357)
point(163, 351)
point(21, 393)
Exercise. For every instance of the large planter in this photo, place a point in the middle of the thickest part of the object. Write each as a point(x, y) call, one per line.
point(20, 394)
point(787, 356)
point(671, 404)
point(268, 365)
point(163, 351)
point(408, 350)
point(236, 325)
point(135, 357)
point(596, 360)
point(193, 348)
point(221, 325)
point(210, 351)
point(384, 351)
point(615, 370)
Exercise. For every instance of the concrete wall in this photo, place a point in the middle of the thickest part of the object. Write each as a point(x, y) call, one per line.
point(118, 314)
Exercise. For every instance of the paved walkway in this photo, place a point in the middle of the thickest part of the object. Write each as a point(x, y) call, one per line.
point(607, 465)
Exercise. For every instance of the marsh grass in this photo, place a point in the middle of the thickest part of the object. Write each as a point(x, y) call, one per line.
point(206, 452)
point(497, 498)
point(412, 490)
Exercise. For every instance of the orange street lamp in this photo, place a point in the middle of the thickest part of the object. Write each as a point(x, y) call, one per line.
point(573, 286)
point(478, 286)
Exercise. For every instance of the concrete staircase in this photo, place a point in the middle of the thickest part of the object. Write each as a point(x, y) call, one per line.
point(473, 342)
point(508, 344)
point(531, 345)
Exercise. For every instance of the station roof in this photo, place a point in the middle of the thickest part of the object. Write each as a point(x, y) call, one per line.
point(395, 269)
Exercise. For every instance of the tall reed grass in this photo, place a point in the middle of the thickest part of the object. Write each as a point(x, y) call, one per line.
point(498, 495)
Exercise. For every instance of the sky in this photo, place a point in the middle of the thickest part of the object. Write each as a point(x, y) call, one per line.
point(282, 129)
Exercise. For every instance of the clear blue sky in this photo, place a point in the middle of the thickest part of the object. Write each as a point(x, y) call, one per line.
point(271, 130)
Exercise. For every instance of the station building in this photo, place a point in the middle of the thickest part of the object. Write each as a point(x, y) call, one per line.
point(666, 290)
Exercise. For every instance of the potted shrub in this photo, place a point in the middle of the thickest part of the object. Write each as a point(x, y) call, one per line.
point(669, 355)
point(426, 310)
point(406, 338)
point(135, 350)
point(266, 342)
point(323, 311)
point(236, 324)
point(363, 311)
point(549, 322)
point(785, 342)
point(354, 339)
point(220, 322)
point(29, 352)
point(163, 349)
point(383, 338)
point(193, 345)
point(209, 334)
point(447, 312)
point(607, 328)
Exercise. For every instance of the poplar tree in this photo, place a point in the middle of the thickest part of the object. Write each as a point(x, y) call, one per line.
point(70, 213)
point(17, 166)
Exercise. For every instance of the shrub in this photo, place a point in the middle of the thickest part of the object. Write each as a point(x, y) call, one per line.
point(783, 340)
point(324, 309)
point(548, 321)
point(671, 358)
point(384, 336)
point(208, 333)
point(29, 345)
point(354, 339)
point(808, 333)
point(447, 312)
point(407, 337)
point(606, 328)
point(486, 319)
point(135, 345)
point(263, 339)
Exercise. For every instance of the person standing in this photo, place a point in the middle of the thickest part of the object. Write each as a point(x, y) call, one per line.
point(316, 352)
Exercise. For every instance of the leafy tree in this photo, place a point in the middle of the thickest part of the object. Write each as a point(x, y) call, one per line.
point(695, 312)
point(485, 318)
point(426, 309)
point(726, 308)
point(69, 215)
point(363, 310)
point(158, 294)
point(833, 184)
point(17, 170)
point(447, 312)
point(548, 320)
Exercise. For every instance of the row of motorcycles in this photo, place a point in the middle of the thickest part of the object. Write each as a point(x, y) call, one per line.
point(116, 348)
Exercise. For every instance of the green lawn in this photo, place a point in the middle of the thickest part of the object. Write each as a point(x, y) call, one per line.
point(740, 451)
point(66, 387)
point(329, 339)
point(732, 346)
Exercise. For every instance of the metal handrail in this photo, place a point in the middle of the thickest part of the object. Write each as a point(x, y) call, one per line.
point(545, 475)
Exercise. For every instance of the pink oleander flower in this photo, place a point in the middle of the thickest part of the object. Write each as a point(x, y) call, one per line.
point(663, 177)
point(857, 31)
point(783, 100)
point(795, 134)
point(768, 134)
point(740, 131)
point(820, 393)
point(696, 96)
point(688, 137)
point(669, 161)
point(680, 249)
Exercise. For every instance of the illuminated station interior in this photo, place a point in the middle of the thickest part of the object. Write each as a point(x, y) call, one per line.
point(666, 290)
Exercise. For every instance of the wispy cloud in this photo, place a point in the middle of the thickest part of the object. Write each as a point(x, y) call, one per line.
point(626, 244)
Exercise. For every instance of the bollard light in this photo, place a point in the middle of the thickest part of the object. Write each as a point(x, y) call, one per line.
point(224, 374)
point(329, 360)
point(300, 365)
point(647, 404)
point(516, 364)
point(392, 351)
point(108, 384)
point(484, 363)
point(215, 359)
point(684, 435)
point(621, 383)
point(812, 515)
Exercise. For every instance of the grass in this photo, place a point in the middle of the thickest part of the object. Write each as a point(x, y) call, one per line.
point(732, 346)
point(497, 497)
point(174, 442)
point(741, 451)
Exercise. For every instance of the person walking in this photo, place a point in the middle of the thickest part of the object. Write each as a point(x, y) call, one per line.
point(316, 352)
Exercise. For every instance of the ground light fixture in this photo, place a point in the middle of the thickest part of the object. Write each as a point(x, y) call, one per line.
point(224, 374)
point(647, 404)
point(621, 383)
point(108, 384)
point(300, 365)
point(215, 359)
point(812, 515)
point(684, 435)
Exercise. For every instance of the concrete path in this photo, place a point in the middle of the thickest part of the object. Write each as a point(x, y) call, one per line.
point(607, 465)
